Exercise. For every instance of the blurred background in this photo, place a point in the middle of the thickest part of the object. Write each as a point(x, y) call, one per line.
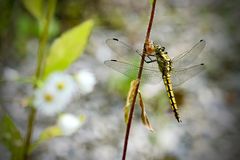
point(209, 104)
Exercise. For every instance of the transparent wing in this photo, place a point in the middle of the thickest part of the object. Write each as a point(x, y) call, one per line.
point(123, 50)
point(189, 57)
point(131, 71)
point(152, 75)
point(180, 76)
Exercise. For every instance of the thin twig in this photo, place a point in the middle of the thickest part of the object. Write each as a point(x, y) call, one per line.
point(139, 78)
point(38, 74)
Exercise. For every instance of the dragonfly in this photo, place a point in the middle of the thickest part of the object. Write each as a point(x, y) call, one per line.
point(159, 66)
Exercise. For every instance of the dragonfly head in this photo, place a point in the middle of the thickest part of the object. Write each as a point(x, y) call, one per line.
point(160, 50)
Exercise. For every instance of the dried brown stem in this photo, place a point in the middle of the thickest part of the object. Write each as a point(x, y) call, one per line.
point(139, 78)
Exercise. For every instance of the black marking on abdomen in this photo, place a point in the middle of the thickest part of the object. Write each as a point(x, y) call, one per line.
point(168, 85)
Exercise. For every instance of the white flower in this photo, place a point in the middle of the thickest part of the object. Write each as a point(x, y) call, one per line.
point(86, 81)
point(56, 93)
point(64, 85)
point(47, 102)
point(69, 124)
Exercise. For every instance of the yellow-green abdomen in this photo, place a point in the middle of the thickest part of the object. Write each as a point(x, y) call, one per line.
point(168, 85)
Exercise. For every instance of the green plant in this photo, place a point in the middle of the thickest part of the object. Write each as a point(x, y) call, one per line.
point(62, 53)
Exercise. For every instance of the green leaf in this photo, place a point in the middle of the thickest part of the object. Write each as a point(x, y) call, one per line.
point(151, 2)
point(67, 48)
point(47, 134)
point(11, 137)
point(34, 7)
point(50, 133)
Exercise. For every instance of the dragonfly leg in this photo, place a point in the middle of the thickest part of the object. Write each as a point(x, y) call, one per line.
point(150, 60)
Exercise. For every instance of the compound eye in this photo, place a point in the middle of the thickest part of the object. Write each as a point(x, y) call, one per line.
point(162, 49)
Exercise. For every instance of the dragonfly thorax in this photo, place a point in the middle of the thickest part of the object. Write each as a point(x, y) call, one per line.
point(163, 60)
point(161, 53)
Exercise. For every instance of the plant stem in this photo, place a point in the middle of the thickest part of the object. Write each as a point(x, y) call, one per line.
point(38, 73)
point(43, 40)
point(139, 78)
